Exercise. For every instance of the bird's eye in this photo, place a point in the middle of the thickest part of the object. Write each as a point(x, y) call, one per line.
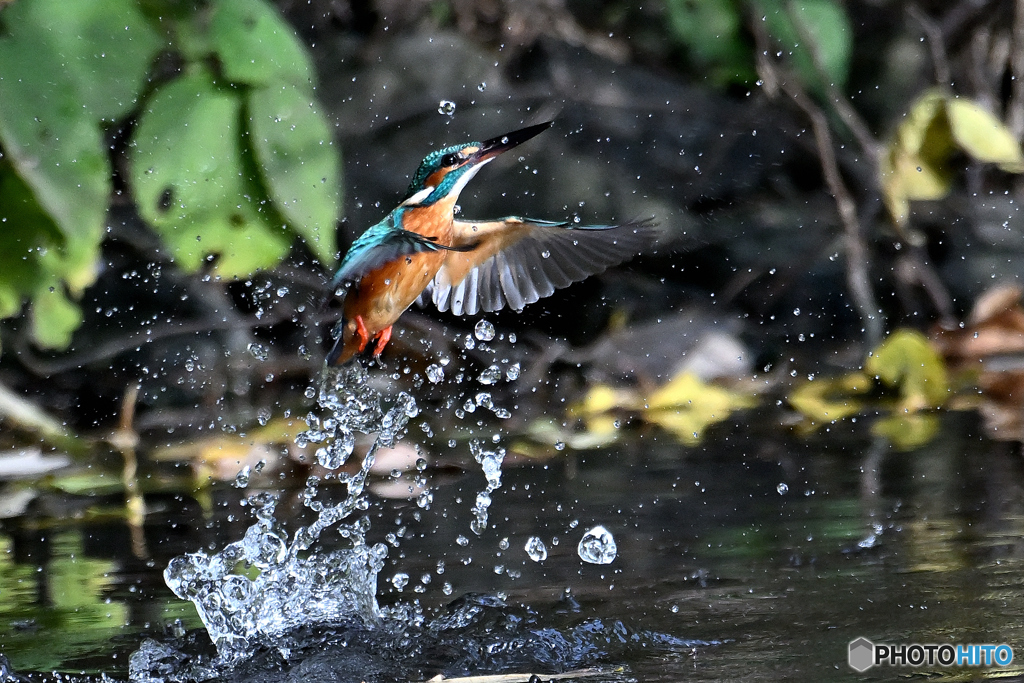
point(453, 159)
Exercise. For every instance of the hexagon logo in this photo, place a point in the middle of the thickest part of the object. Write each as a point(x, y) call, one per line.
point(862, 655)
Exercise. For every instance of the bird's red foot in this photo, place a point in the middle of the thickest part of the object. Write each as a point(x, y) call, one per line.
point(364, 336)
point(382, 340)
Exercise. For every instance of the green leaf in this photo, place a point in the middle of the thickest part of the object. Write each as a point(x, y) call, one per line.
point(712, 35)
point(824, 23)
point(54, 318)
point(104, 46)
point(256, 46)
point(186, 168)
point(35, 258)
point(52, 141)
point(907, 361)
point(983, 136)
point(300, 163)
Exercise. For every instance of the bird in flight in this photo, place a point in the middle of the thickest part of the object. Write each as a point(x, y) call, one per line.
point(422, 251)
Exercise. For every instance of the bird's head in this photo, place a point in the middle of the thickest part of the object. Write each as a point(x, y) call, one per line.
point(444, 173)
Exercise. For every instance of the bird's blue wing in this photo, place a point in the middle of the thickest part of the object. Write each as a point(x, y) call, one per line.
point(379, 245)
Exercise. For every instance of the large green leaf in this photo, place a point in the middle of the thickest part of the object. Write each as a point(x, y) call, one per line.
point(712, 34)
point(256, 46)
point(186, 169)
point(35, 259)
point(299, 161)
point(823, 23)
point(104, 46)
point(53, 143)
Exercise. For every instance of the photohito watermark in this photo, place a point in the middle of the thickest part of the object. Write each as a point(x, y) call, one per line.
point(864, 654)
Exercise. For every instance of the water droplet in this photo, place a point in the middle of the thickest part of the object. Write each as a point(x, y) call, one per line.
point(484, 330)
point(782, 488)
point(446, 107)
point(536, 549)
point(263, 415)
point(597, 546)
point(482, 86)
point(435, 373)
point(545, 254)
point(242, 478)
point(400, 580)
point(258, 351)
point(512, 374)
point(492, 375)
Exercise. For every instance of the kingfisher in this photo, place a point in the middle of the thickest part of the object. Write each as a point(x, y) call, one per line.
point(421, 251)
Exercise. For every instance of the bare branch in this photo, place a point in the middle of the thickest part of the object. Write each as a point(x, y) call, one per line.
point(936, 43)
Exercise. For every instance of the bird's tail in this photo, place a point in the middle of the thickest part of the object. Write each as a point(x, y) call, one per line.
point(338, 354)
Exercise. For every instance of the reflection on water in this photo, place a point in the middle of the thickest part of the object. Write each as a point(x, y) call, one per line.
point(860, 541)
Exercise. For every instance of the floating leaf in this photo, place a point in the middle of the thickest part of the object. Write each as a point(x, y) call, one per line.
point(979, 133)
point(907, 431)
point(300, 163)
point(256, 46)
point(828, 400)
point(907, 361)
point(686, 406)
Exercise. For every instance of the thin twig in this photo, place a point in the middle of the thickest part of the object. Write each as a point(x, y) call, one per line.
point(857, 260)
point(126, 440)
point(936, 43)
point(853, 120)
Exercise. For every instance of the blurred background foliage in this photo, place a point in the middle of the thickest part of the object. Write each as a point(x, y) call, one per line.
point(171, 176)
point(204, 115)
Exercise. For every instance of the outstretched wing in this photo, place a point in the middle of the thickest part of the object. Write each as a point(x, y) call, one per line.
point(381, 244)
point(516, 261)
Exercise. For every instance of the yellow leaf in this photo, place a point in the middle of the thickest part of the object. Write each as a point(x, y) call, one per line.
point(983, 136)
point(600, 399)
point(907, 431)
point(687, 406)
point(827, 400)
point(913, 133)
point(907, 361)
point(921, 179)
point(914, 165)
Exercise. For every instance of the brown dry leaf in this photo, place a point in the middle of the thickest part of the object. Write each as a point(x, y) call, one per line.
point(995, 326)
point(988, 350)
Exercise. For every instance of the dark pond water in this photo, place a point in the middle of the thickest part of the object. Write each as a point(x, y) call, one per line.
point(755, 556)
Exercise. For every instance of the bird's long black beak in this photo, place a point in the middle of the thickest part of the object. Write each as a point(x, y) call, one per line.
point(503, 143)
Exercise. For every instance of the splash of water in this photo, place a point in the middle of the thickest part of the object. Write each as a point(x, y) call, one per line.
point(293, 586)
point(490, 461)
